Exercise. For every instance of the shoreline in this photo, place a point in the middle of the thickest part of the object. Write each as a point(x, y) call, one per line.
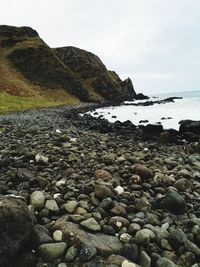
point(115, 192)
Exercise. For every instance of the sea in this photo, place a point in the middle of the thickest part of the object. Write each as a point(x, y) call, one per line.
point(168, 114)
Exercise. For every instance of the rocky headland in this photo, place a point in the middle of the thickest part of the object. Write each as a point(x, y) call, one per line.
point(80, 191)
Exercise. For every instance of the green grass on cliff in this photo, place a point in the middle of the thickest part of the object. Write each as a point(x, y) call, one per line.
point(11, 103)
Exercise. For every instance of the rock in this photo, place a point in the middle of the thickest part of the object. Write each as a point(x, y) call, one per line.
point(144, 259)
point(119, 190)
point(125, 238)
point(37, 199)
point(15, 227)
point(165, 262)
point(87, 253)
point(183, 184)
point(189, 126)
point(51, 251)
point(129, 264)
point(173, 202)
point(142, 171)
point(41, 158)
point(102, 191)
point(71, 254)
point(40, 235)
point(133, 228)
point(153, 129)
point(166, 137)
point(145, 235)
point(118, 222)
point(91, 224)
point(130, 251)
point(142, 204)
point(119, 211)
point(105, 244)
point(178, 238)
point(102, 174)
point(71, 206)
point(58, 235)
point(52, 205)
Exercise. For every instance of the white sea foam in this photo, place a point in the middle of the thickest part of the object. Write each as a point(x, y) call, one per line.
point(186, 108)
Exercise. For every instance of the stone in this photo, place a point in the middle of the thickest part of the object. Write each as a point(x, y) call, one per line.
point(142, 204)
point(144, 259)
point(183, 184)
point(102, 191)
point(173, 201)
point(165, 262)
point(37, 199)
point(118, 222)
point(145, 235)
point(143, 172)
point(102, 174)
point(74, 235)
point(41, 158)
point(125, 238)
point(153, 129)
point(119, 190)
point(129, 264)
point(91, 224)
point(71, 254)
point(130, 251)
point(15, 227)
point(52, 251)
point(58, 235)
point(118, 210)
point(52, 205)
point(178, 238)
point(133, 228)
point(70, 206)
point(40, 235)
point(87, 253)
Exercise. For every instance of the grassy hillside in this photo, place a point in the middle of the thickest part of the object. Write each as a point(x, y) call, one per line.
point(33, 75)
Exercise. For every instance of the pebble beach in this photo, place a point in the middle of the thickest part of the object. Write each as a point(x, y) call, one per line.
point(88, 197)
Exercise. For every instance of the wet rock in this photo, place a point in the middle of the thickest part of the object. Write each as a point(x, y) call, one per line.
point(37, 199)
point(145, 235)
point(102, 191)
point(183, 184)
point(51, 251)
point(70, 206)
point(71, 254)
point(15, 227)
point(105, 244)
point(91, 224)
point(165, 262)
point(40, 235)
point(52, 205)
point(153, 128)
point(130, 251)
point(87, 253)
point(173, 201)
point(144, 259)
point(143, 172)
point(102, 174)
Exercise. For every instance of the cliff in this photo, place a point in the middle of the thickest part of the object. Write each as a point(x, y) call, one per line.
point(30, 68)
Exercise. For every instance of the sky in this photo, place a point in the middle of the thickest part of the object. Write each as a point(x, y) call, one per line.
point(154, 42)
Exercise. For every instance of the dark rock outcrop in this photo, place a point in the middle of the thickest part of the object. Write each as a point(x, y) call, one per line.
point(94, 75)
point(189, 126)
point(15, 227)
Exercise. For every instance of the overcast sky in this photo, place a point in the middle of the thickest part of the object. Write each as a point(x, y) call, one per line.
point(154, 42)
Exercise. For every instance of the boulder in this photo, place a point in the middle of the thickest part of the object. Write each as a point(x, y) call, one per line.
point(153, 129)
point(189, 126)
point(173, 201)
point(75, 236)
point(15, 227)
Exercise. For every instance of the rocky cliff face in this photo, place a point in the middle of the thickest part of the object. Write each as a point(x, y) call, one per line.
point(91, 71)
point(81, 74)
